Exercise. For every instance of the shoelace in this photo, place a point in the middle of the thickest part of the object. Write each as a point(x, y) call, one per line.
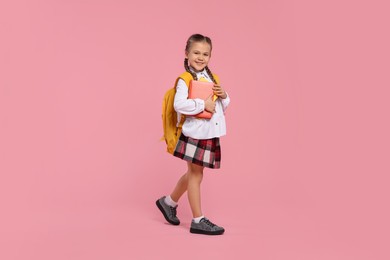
point(208, 222)
point(173, 211)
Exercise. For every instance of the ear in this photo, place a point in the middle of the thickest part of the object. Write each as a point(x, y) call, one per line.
point(186, 54)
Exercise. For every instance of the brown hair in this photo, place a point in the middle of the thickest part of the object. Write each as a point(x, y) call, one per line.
point(198, 38)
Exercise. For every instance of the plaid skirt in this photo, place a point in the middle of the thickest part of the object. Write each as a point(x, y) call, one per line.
point(203, 152)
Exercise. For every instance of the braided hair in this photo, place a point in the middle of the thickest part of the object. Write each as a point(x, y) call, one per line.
point(188, 69)
point(210, 75)
point(198, 38)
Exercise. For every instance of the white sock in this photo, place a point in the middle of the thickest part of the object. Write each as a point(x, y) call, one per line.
point(168, 200)
point(197, 220)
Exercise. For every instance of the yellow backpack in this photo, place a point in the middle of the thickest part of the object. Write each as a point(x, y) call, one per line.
point(172, 129)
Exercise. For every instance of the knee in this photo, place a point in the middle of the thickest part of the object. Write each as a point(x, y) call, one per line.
point(195, 172)
point(195, 176)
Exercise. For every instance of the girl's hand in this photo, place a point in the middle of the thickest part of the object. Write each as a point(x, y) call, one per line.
point(218, 90)
point(209, 104)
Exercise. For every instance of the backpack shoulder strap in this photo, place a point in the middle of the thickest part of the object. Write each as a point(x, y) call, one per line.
point(216, 78)
point(186, 76)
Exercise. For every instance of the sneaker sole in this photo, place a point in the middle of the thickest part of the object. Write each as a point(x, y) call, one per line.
point(165, 215)
point(204, 232)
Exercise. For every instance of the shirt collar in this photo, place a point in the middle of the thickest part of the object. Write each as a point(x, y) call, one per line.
point(202, 73)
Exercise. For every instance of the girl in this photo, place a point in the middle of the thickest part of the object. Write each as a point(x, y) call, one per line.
point(199, 140)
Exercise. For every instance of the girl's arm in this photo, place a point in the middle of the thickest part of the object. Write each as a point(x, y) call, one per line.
point(223, 96)
point(186, 106)
point(225, 102)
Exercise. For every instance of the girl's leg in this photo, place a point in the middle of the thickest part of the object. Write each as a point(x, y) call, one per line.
point(180, 188)
point(194, 176)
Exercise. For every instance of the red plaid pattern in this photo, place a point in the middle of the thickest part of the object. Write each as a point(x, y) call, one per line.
point(205, 152)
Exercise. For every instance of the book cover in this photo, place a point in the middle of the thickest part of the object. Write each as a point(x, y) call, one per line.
point(202, 90)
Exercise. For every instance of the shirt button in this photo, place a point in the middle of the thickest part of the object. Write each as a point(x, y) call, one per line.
point(216, 123)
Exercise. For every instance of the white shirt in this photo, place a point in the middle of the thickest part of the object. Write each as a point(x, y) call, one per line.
point(200, 128)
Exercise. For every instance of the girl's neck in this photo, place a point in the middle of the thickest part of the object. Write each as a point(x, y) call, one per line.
point(193, 70)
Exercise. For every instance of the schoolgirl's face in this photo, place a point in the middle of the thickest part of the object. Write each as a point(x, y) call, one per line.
point(199, 55)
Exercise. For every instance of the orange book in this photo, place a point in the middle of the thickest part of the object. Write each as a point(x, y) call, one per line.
point(202, 90)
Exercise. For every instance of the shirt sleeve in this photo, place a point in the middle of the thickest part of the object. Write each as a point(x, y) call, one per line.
point(182, 104)
point(225, 102)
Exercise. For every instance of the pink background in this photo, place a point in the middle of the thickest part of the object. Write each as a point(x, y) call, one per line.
point(305, 167)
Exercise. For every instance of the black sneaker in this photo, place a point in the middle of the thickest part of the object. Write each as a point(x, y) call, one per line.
point(168, 211)
point(206, 227)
